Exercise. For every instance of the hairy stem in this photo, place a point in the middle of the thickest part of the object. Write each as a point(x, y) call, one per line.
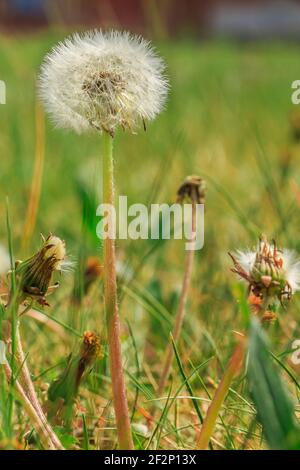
point(111, 307)
point(232, 370)
point(189, 260)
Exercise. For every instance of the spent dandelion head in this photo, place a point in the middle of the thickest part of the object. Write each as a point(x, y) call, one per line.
point(66, 386)
point(103, 80)
point(271, 273)
point(193, 189)
point(35, 274)
point(90, 348)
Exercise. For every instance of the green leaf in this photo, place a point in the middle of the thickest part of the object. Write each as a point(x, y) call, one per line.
point(68, 441)
point(273, 403)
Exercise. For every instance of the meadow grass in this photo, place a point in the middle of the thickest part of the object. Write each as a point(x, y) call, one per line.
point(228, 120)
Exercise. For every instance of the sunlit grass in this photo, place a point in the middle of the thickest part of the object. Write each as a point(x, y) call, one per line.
point(227, 120)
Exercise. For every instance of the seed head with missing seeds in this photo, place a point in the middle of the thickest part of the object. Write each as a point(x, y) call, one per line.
point(270, 272)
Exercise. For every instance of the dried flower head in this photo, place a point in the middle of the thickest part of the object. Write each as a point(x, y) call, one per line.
point(35, 273)
point(193, 189)
point(66, 386)
point(103, 80)
point(90, 348)
point(271, 273)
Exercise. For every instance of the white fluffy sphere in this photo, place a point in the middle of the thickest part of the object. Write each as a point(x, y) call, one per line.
point(101, 81)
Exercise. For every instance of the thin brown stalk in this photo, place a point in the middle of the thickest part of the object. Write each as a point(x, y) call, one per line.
point(28, 388)
point(36, 184)
point(111, 308)
point(189, 260)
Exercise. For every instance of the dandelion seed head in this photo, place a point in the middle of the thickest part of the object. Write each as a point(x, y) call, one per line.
point(269, 271)
point(102, 81)
point(246, 259)
point(291, 266)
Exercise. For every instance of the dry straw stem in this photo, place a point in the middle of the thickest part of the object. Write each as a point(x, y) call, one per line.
point(36, 183)
point(232, 370)
point(111, 307)
point(39, 423)
point(189, 260)
point(28, 388)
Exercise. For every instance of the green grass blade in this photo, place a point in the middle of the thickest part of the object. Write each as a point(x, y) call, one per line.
point(274, 406)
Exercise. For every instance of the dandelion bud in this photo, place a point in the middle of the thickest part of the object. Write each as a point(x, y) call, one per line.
point(270, 273)
point(102, 81)
point(35, 273)
point(193, 189)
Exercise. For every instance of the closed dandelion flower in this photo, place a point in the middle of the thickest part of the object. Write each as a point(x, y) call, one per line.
point(102, 81)
point(271, 273)
point(35, 273)
point(193, 189)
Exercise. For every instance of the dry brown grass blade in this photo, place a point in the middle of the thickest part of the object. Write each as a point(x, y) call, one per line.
point(36, 184)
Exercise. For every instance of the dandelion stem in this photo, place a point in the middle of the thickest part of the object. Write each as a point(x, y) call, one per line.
point(111, 307)
point(189, 260)
point(28, 388)
point(232, 370)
